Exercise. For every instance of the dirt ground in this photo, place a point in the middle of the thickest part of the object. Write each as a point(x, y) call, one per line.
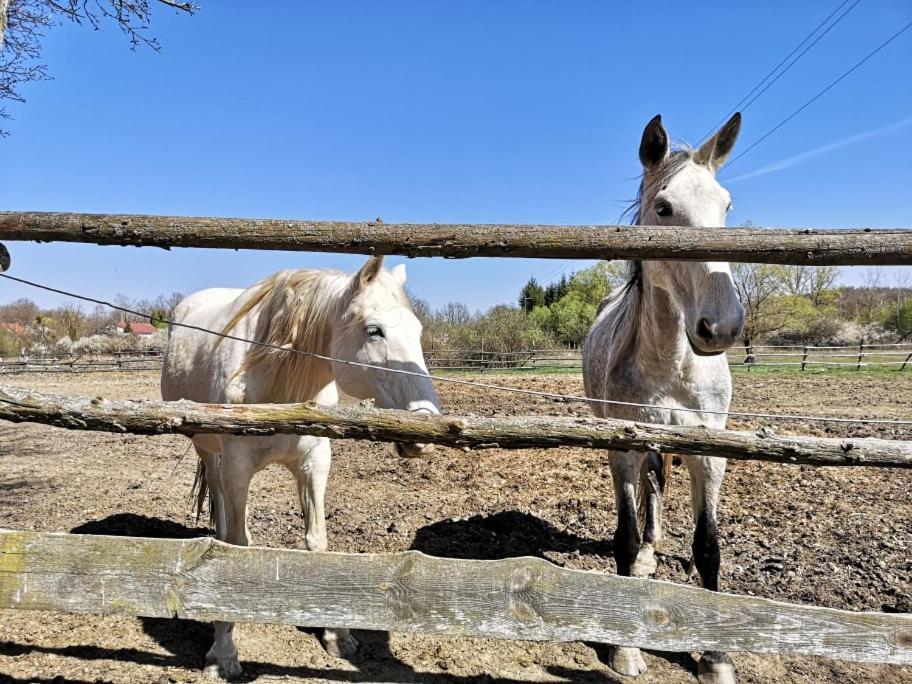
point(838, 537)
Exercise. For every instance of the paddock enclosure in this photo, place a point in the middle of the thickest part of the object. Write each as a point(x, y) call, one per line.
point(821, 539)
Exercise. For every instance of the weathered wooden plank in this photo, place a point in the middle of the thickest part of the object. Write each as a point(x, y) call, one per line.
point(862, 246)
point(358, 422)
point(516, 598)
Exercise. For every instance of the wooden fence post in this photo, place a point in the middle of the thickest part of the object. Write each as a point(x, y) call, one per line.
point(804, 358)
point(860, 354)
point(905, 362)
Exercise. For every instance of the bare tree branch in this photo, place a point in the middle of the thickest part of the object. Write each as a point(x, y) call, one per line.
point(24, 23)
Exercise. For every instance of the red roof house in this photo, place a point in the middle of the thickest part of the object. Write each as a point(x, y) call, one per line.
point(141, 328)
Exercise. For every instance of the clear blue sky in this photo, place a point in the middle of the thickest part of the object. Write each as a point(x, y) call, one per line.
point(440, 112)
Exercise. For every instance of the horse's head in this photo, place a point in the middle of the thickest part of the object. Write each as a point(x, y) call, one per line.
point(378, 327)
point(680, 189)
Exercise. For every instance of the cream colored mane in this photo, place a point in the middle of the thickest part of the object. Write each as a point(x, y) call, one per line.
point(300, 309)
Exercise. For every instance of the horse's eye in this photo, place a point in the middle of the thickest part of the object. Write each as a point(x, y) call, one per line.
point(664, 209)
point(374, 331)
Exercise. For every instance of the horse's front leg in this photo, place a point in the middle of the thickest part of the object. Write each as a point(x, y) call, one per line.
point(706, 475)
point(235, 469)
point(312, 473)
point(625, 471)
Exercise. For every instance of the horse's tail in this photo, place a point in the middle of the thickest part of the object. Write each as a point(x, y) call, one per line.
point(654, 474)
point(200, 491)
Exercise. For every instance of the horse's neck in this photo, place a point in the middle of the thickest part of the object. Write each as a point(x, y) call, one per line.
point(298, 377)
point(662, 341)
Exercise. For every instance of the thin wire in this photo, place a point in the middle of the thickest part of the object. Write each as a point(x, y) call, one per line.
point(821, 93)
point(456, 381)
point(803, 53)
point(784, 60)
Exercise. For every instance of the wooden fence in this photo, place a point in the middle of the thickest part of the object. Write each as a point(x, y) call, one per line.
point(515, 598)
point(147, 417)
point(862, 246)
point(519, 598)
point(89, 363)
point(862, 355)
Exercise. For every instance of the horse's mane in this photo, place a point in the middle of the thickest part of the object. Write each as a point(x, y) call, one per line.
point(298, 309)
point(627, 300)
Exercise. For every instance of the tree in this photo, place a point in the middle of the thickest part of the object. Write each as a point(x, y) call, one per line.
point(813, 282)
point(595, 283)
point(531, 295)
point(759, 286)
point(24, 23)
point(556, 291)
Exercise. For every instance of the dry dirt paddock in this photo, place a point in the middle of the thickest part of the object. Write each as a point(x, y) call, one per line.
point(827, 536)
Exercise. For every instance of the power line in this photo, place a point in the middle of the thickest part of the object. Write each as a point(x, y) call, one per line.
point(822, 92)
point(738, 106)
point(456, 381)
point(792, 63)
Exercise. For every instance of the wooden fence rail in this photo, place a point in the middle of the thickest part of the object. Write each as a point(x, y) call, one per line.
point(769, 245)
point(358, 422)
point(515, 598)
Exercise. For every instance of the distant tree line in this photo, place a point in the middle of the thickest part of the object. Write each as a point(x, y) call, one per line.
point(783, 305)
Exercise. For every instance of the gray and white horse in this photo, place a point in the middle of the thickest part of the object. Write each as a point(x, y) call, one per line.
point(365, 318)
point(661, 340)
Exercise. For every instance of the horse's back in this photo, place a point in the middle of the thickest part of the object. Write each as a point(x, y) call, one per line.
point(197, 364)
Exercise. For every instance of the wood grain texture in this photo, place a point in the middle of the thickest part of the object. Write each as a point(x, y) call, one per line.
point(359, 422)
point(862, 246)
point(516, 598)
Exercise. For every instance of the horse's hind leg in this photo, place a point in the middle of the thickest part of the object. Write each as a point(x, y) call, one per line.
point(234, 472)
point(625, 471)
point(706, 475)
point(312, 473)
point(649, 509)
point(210, 462)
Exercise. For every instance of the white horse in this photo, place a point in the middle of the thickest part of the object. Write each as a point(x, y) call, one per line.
point(363, 318)
point(661, 340)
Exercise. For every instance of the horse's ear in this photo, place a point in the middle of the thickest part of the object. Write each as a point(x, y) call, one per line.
point(654, 145)
point(398, 272)
point(713, 153)
point(369, 271)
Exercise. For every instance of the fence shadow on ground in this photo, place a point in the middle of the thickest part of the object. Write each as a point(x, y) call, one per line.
point(506, 534)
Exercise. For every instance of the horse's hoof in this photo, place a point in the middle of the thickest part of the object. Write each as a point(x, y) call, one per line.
point(716, 668)
point(645, 564)
point(339, 643)
point(227, 668)
point(627, 661)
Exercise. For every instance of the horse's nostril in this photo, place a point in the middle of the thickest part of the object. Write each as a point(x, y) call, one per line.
point(703, 329)
point(735, 332)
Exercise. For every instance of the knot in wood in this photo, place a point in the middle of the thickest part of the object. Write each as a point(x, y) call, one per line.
point(519, 595)
point(658, 616)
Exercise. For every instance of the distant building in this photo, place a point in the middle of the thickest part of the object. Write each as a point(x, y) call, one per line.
point(15, 328)
point(141, 329)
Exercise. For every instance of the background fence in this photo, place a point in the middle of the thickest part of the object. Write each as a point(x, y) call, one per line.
point(862, 355)
point(84, 363)
point(801, 357)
